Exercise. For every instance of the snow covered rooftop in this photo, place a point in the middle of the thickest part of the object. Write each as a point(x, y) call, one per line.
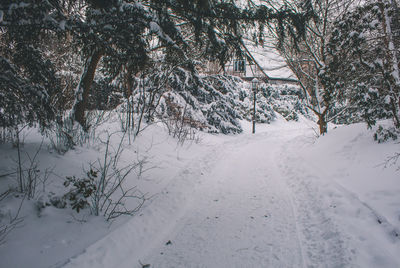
point(270, 60)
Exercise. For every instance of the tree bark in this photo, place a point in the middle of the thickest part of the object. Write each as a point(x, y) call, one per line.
point(323, 125)
point(392, 60)
point(83, 89)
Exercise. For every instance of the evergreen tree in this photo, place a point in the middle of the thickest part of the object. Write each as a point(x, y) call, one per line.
point(364, 63)
point(132, 28)
point(124, 38)
point(27, 77)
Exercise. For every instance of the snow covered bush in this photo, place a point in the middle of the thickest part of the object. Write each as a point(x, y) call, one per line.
point(205, 103)
point(9, 220)
point(384, 134)
point(83, 189)
point(215, 103)
point(242, 96)
point(180, 123)
point(287, 100)
point(104, 189)
point(220, 108)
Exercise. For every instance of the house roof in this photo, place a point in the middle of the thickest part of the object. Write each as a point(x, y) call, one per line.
point(270, 61)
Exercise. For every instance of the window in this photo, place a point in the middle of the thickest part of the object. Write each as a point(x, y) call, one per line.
point(239, 66)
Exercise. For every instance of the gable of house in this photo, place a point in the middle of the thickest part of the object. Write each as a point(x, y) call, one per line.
point(263, 63)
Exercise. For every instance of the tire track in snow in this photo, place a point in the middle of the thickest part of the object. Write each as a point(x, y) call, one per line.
point(124, 246)
point(241, 216)
point(248, 203)
point(353, 234)
point(323, 243)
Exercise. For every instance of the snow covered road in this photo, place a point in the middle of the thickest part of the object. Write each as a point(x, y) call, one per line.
point(250, 201)
point(240, 215)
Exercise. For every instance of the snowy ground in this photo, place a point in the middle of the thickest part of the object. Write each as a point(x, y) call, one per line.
point(279, 198)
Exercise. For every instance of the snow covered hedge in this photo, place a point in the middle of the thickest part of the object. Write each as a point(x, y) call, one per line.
point(213, 103)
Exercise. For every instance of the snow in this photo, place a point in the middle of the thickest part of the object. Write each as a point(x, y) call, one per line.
point(353, 33)
point(387, 99)
point(278, 198)
point(270, 60)
point(378, 62)
point(374, 23)
point(108, 27)
point(155, 28)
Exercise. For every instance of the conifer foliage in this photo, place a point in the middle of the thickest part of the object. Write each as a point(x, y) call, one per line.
point(27, 76)
point(115, 42)
point(364, 66)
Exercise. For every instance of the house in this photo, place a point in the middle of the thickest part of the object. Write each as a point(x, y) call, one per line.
point(261, 62)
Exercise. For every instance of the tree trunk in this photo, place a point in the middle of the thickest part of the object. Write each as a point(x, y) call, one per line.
point(83, 89)
point(323, 125)
point(392, 59)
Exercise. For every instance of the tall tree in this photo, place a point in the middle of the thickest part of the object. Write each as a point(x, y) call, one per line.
point(364, 66)
point(123, 36)
point(27, 78)
point(217, 25)
point(308, 58)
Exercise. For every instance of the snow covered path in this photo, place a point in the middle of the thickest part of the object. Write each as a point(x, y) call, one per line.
point(241, 215)
point(251, 201)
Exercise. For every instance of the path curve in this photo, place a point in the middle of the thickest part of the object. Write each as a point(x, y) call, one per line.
point(246, 214)
point(245, 205)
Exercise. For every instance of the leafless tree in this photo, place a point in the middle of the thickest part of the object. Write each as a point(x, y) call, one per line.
point(309, 56)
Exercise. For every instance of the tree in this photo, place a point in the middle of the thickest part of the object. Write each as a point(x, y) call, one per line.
point(27, 78)
point(124, 38)
point(364, 62)
point(308, 58)
point(217, 25)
